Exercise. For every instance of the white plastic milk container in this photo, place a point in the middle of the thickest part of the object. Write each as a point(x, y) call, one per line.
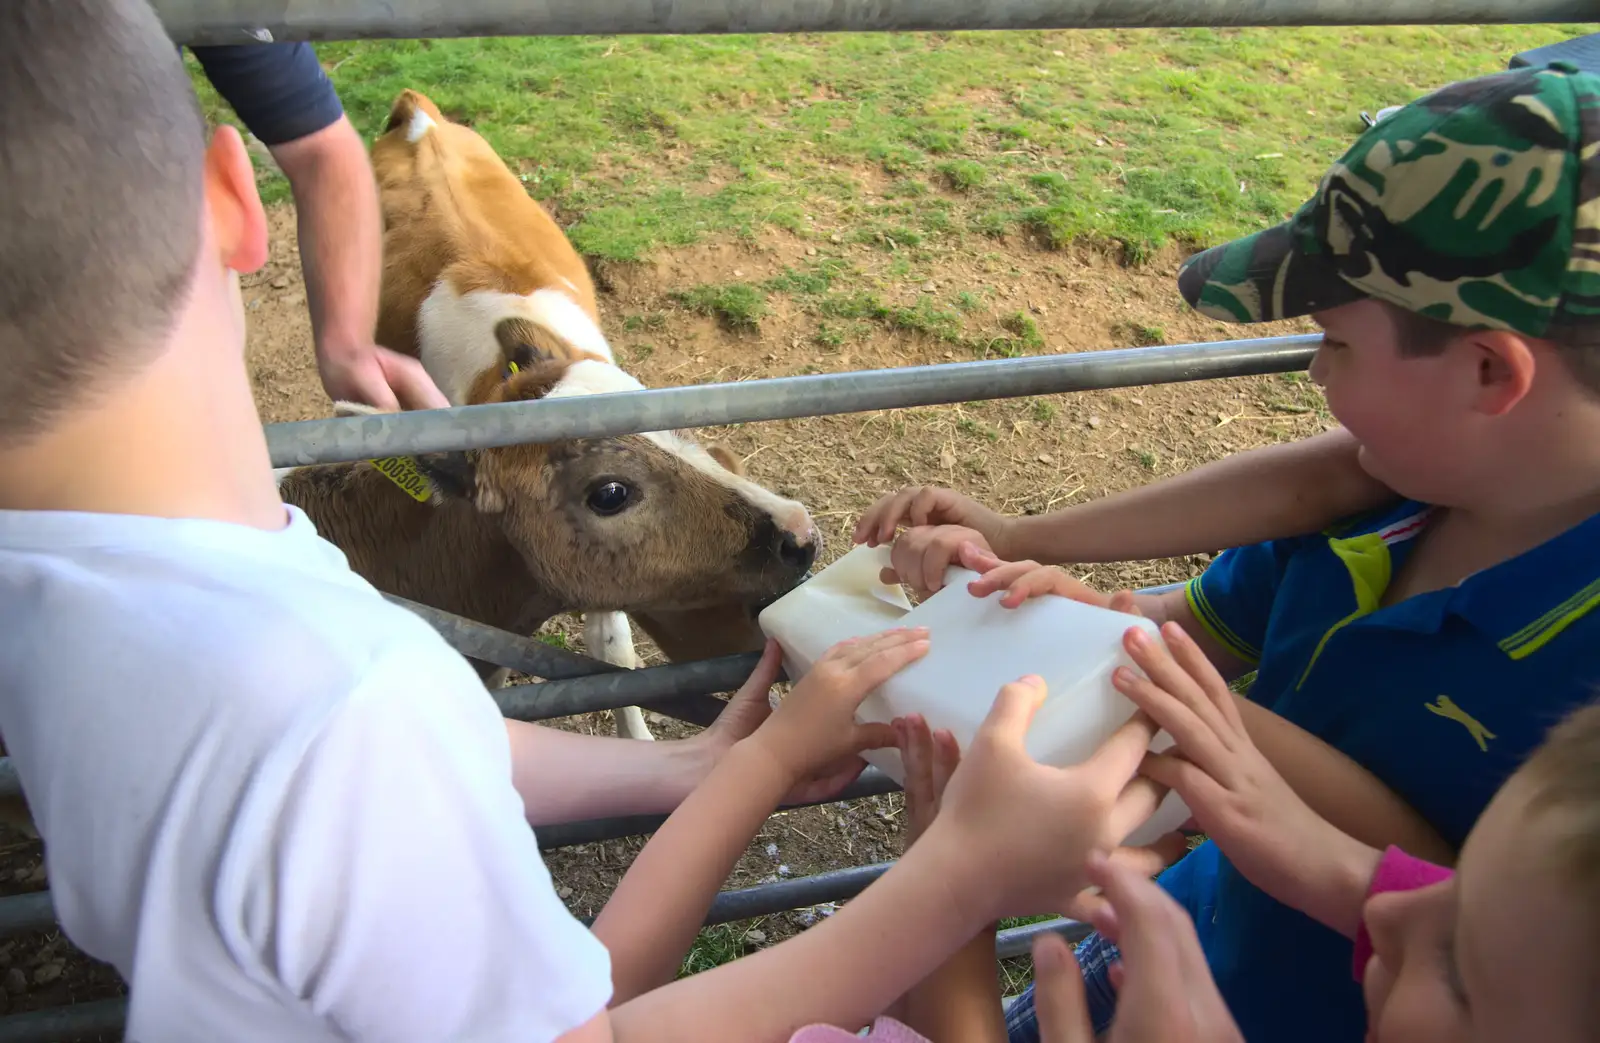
point(976, 646)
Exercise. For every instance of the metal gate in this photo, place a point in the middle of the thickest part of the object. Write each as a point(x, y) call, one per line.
point(577, 684)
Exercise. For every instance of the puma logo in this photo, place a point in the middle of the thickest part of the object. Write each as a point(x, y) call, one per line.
point(1446, 707)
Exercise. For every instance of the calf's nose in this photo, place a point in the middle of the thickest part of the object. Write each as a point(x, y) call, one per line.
point(795, 554)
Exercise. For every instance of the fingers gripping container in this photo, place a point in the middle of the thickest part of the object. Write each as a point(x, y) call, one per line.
point(976, 646)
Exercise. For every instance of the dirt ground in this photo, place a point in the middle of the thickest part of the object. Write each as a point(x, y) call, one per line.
point(1024, 455)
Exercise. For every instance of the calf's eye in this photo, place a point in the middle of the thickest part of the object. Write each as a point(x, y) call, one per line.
point(609, 498)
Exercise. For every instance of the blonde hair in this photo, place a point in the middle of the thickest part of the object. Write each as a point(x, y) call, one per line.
point(1563, 779)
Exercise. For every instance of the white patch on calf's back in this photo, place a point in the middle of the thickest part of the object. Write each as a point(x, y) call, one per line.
point(456, 339)
point(420, 124)
point(560, 314)
point(592, 377)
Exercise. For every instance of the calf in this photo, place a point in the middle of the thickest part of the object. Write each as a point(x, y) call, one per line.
point(483, 287)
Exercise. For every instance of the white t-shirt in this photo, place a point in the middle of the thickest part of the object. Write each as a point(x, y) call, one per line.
point(279, 805)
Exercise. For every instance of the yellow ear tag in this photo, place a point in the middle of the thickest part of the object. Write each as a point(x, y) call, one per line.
point(404, 472)
point(514, 368)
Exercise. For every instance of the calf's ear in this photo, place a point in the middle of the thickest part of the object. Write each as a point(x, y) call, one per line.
point(453, 475)
point(729, 461)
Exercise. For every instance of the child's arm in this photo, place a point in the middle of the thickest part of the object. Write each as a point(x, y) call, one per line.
point(1254, 814)
point(960, 1001)
point(652, 918)
point(566, 776)
point(983, 858)
point(1269, 493)
point(1335, 787)
point(1165, 991)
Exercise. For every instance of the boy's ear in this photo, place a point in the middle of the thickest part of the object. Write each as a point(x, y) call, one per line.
point(234, 206)
point(1506, 367)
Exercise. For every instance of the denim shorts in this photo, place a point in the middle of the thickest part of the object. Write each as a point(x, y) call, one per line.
point(1095, 955)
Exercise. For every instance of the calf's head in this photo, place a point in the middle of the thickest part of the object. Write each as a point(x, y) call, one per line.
point(649, 523)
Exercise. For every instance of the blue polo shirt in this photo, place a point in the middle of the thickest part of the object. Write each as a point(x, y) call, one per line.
point(1441, 696)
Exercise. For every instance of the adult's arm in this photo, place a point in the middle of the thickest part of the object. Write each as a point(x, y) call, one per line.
point(282, 95)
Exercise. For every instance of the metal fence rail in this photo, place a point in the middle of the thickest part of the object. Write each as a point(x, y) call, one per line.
point(103, 1017)
point(336, 439)
point(243, 21)
point(576, 684)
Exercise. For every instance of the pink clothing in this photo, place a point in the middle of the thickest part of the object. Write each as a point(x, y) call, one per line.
point(884, 1030)
point(1397, 871)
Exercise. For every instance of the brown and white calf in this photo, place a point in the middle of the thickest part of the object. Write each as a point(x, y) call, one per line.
point(484, 288)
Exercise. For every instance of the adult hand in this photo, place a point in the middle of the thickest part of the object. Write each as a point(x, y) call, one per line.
point(375, 376)
point(924, 505)
point(1165, 992)
point(814, 729)
point(1016, 832)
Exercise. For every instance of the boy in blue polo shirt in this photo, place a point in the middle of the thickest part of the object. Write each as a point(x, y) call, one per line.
point(1452, 257)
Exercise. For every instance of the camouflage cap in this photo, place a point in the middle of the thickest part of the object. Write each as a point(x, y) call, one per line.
point(1478, 204)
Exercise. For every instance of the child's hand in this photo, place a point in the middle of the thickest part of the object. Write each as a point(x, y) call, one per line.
point(746, 711)
point(1236, 796)
point(924, 506)
point(930, 758)
point(920, 556)
point(1016, 832)
point(1165, 992)
point(814, 729)
point(1026, 580)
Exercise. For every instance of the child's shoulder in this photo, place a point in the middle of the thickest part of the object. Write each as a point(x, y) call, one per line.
point(252, 644)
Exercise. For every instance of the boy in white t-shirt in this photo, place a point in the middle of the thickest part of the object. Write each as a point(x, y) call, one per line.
point(284, 808)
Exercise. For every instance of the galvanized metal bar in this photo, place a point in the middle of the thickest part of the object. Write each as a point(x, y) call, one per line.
point(1018, 941)
point(871, 783)
point(502, 647)
point(747, 903)
point(656, 685)
point(108, 1016)
point(675, 690)
point(102, 1017)
point(528, 656)
point(35, 911)
point(243, 21)
point(60, 1024)
point(336, 439)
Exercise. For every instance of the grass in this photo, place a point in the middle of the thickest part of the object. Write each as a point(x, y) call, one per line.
point(1136, 139)
point(723, 943)
point(737, 306)
point(715, 946)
